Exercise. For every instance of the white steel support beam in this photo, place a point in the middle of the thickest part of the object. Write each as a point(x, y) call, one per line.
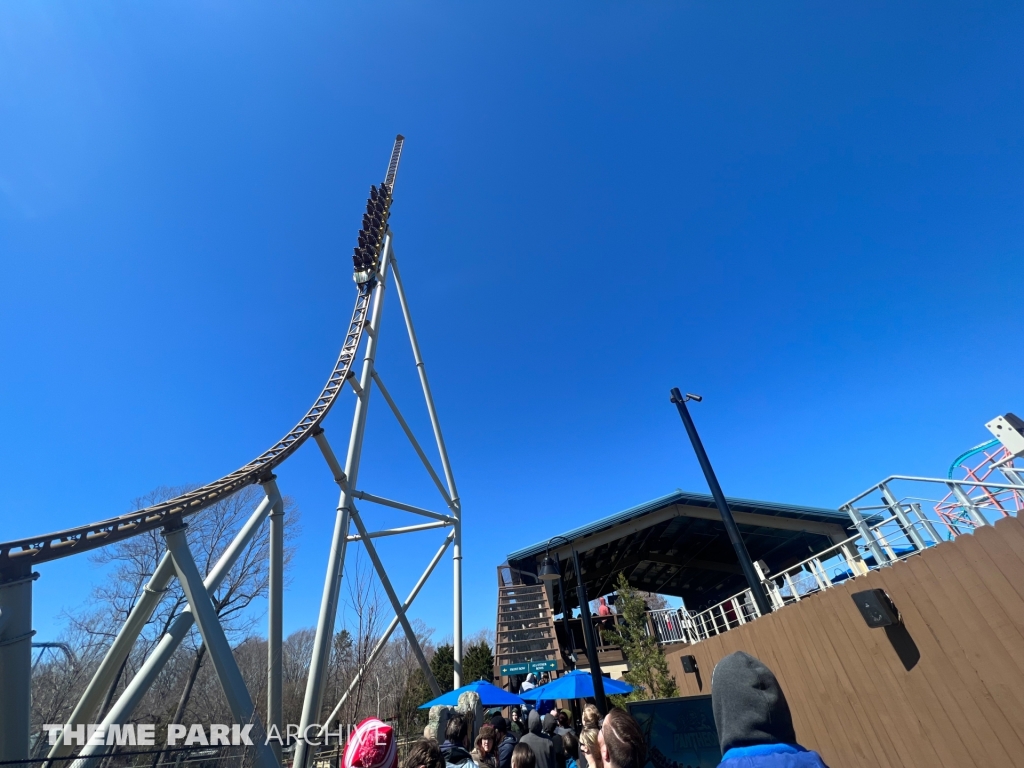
point(447, 519)
point(216, 642)
point(313, 700)
point(453, 492)
point(122, 709)
point(396, 531)
point(275, 615)
point(118, 651)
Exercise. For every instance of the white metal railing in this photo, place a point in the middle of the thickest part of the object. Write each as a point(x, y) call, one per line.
point(890, 531)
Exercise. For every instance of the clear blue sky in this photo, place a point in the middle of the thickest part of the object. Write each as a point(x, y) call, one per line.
point(810, 213)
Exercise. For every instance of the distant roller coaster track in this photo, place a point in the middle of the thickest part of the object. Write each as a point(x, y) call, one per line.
point(51, 546)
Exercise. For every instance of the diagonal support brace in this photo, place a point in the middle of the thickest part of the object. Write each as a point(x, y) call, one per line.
point(415, 444)
point(216, 641)
point(121, 711)
point(117, 652)
point(395, 604)
point(383, 641)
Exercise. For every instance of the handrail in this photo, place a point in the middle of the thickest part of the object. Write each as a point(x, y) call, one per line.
point(912, 525)
point(940, 481)
point(845, 560)
point(513, 574)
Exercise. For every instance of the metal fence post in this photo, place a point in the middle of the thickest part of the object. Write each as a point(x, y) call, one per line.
point(901, 515)
point(968, 505)
point(867, 534)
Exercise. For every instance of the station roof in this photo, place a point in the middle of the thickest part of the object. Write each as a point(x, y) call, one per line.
point(677, 545)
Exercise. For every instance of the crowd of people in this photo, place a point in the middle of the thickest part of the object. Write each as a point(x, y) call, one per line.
point(752, 717)
point(547, 741)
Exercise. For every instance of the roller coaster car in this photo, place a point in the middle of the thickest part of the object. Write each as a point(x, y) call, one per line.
point(367, 277)
point(366, 255)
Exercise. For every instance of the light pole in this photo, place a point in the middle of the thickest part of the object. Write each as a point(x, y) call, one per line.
point(716, 490)
point(549, 571)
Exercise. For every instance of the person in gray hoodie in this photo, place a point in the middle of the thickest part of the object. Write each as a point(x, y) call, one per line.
point(755, 727)
point(543, 748)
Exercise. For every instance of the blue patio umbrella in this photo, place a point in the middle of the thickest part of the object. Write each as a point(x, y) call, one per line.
point(575, 685)
point(490, 696)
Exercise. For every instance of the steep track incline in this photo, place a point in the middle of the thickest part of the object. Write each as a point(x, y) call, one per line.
point(51, 546)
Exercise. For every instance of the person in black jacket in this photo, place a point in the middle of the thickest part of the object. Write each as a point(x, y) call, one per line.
point(506, 742)
point(549, 723)
point(542, 746)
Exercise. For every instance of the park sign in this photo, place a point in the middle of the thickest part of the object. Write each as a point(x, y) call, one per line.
point(507, 670)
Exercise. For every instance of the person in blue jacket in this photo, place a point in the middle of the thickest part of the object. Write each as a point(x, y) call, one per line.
point(755, 727)
point(506, 741)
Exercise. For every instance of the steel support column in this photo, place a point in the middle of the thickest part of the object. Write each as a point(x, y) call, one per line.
point(313, 700)
point(16, 662)
point(453, 492)
point(881, 558)
point(904, 519)
point(965, 501)
point(217, 645)
point(275, 609)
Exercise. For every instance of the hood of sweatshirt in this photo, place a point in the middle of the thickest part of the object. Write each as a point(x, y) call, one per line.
point(454, 754)
point(533, 722)
point(748, 703)
point(548, 724)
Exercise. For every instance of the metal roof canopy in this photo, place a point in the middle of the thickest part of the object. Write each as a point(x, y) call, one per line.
point(677, 545)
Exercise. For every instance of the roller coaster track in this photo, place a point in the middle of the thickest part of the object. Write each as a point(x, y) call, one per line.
point(51, 546)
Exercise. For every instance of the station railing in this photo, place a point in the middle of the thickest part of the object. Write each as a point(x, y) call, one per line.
point(931, 511)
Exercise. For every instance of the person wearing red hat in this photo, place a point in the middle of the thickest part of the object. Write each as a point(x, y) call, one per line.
point(371, 745)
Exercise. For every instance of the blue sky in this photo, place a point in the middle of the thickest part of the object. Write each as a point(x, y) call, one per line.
point(809, 213)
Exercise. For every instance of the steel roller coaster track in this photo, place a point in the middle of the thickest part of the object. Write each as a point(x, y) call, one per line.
point(51, 546)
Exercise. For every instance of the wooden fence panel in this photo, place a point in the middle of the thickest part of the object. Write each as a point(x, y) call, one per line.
point(946, 690)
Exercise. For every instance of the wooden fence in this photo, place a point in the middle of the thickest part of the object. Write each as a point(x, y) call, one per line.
point(945, 689)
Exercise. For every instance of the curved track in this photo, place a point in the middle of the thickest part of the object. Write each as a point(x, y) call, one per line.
point(51, 546)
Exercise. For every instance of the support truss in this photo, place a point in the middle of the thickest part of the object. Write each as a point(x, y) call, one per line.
point(347, 515)
point(17, 557)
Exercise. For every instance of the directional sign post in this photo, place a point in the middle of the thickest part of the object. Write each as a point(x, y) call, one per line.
point(547, 665)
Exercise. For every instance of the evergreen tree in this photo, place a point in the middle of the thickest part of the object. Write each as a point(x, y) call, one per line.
point(477, 663)
point(648, 670)
point(411, 719)
point(443, 667)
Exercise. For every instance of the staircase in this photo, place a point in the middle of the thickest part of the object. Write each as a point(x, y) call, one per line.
point(525, 629)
